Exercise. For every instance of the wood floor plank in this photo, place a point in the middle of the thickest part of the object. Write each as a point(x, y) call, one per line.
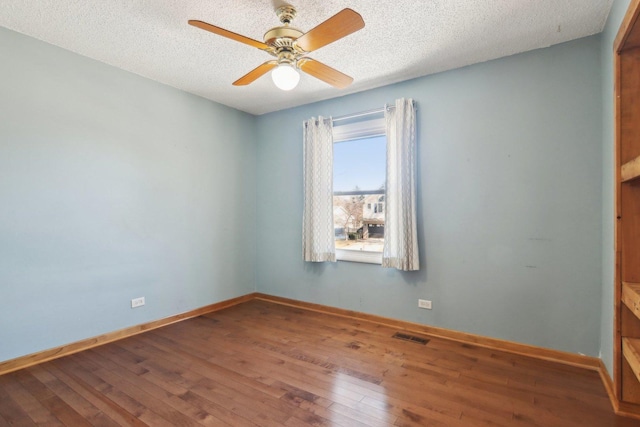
point(86, 371)
point(34, 409)
point(136, 391)
point(158, 395)
point(253, 364)
point(99, 400)
point(293, 361)
point(181, 382)
point(83, 407)
point(320, 349)
point(265, 364)
point(50, 400)
point(226, 415)
point(11, 412)
point(190, 360)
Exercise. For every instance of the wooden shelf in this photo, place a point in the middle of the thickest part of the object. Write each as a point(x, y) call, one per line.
point(630, 170)
point(631, 352)
point(631, 297)
point(626, 365)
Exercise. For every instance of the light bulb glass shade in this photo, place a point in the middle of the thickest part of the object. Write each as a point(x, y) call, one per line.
point(285, 77)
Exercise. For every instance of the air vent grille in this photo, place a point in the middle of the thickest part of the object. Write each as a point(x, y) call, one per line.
point(412, 338)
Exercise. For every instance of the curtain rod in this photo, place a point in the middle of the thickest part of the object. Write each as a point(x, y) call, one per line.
point(366, 113)
point(360, 114)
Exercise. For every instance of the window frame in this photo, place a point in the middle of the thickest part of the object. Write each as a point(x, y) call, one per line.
point(360, 129)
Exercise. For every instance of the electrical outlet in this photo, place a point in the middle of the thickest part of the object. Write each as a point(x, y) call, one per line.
point(137, 302)
point(424, 303)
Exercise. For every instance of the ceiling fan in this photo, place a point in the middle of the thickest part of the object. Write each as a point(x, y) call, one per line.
point(290, 46)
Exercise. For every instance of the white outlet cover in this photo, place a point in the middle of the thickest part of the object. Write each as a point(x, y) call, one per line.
point(137, 302)
point(423, 303)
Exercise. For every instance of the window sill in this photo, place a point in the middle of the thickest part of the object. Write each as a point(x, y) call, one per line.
point(367, 257)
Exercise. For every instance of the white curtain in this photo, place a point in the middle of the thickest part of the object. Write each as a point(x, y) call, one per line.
point(400, 248)
point(318, 243)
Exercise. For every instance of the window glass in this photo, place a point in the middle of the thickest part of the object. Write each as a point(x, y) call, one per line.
point(358, 204)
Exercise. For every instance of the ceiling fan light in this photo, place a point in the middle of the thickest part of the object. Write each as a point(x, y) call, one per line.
point(285, 77)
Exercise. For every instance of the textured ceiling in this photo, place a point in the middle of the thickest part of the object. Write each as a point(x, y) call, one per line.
point(401, 40)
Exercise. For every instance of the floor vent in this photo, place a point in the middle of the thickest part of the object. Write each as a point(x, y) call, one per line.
point(411, 338)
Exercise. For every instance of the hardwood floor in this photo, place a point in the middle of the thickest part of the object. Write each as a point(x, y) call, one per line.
point(266, 364)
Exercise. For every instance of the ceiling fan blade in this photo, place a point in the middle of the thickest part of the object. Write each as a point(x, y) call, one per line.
point(252, 75)
point(338, 26)
point(228, 34)
point(325, 73)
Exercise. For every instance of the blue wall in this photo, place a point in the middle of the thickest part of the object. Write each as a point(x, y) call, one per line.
point(618, 11)
point(510, 202)
point(113, 187)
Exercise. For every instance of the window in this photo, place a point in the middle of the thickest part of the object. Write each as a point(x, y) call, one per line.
point(396, 224)
point(359, 165)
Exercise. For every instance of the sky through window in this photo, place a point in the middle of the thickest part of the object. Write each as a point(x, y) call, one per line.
point(360, 163)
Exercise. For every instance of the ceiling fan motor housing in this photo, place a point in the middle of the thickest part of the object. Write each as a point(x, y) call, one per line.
point(272, 36)
point(282, 39)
